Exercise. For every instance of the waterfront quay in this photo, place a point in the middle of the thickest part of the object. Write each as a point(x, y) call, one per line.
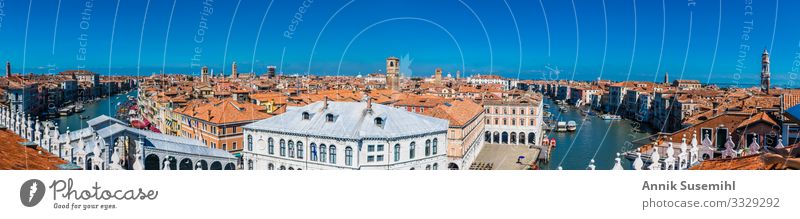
point(48, 96)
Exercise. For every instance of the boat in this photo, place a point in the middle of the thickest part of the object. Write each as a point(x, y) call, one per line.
point(571, 126)
point(546, 106)
point(610, 117)
point(78, 108)
point(561, 126)
point(66, 111)
point(83, 117)
point(562, 108)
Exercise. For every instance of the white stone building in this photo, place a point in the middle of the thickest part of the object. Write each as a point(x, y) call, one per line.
point(346, 135)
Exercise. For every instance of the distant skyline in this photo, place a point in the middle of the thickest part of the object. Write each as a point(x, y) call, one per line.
point(512, 38)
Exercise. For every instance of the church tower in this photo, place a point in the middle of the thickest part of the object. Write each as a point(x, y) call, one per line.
point(393, 73)
point(234, 73)
point(204, 74)
point(666, 77)
point(438, 75)
point(765, 72)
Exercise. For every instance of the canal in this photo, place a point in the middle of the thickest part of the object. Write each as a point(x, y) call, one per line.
point(104, 106)
point(606, 138)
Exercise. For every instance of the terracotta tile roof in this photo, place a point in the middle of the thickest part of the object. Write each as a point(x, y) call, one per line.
point(756, 118)
point(750, 162)
point(14, 156)
point(458, 112)
point(224, 111)
point(790, 100)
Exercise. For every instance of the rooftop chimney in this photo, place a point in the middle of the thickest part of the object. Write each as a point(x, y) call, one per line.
point(325, 104)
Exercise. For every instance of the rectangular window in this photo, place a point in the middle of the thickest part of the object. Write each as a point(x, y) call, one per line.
point(224, 146)
point(379, 158)
point(370, 158)
point(722, 137)
point(234, 145)
point(380, 147)
point(370, 148)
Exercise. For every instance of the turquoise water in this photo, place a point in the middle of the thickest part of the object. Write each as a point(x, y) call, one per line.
point(590, 138)
point(105, 106)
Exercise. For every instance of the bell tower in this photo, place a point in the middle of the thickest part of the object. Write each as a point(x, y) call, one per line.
point(765, 72)
point(392, 73)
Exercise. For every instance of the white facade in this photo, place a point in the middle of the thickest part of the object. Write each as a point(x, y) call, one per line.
point(357, 137)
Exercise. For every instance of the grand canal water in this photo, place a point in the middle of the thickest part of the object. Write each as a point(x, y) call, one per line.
point(593, 135)
point(105, 106)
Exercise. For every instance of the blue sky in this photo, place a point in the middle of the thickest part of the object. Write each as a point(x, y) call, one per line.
point(503, 37)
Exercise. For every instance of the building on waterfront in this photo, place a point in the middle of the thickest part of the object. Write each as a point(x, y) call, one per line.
point(393, 73)
point(765, 83)
point(464, 140)
point(218, 123)
point(514, 120)
point(346, 135)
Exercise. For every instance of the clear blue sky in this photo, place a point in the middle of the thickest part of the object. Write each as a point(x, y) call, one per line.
point(433, 33)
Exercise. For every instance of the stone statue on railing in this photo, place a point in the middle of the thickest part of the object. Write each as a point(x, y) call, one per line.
point(638, 163)
point(780, 142)
point(729, 151)
point(754, 147)
point(655, 157)
point(669, 162)
point(617, 163)
point(591, 165)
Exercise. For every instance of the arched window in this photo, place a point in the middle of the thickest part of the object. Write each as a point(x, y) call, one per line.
point(291, 148)
point(411, 149)
point(435, 146)
point(428, 167)
point(313, 152)
point(333, 154)
point(271, 166)
point(348, 156)
point(329, 117)
point(379, 121)
point(397, 152)
point(250, 142)
point(428, 147)
point(270, 146)
point(249, 164)
point(306, 116)
point(283, 148)
point(435, 166)
point(323, 152)
point(291, 168)
point(282, 167)
point(300, 149)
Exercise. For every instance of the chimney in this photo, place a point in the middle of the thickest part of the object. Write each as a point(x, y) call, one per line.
point(369, 104)
point(325, 104)
point(209, 115)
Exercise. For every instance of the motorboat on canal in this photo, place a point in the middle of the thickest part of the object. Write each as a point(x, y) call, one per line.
point(561, 126)
point(78, 108)
point(571, 126)
point(66, 111)
point(610, 117)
